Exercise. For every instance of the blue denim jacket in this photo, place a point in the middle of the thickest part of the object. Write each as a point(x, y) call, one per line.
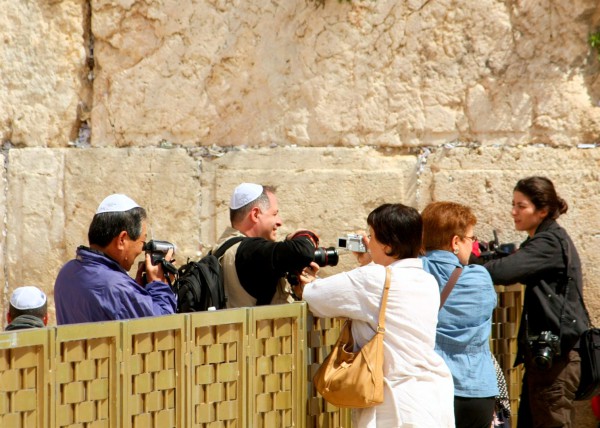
point(465, 324)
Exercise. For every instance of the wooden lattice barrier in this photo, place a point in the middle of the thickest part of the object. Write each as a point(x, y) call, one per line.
point(216, 390)
point(505, 328)
point(153, 372)
point(84, 391)
point(229, 369)
point(322, 335)
point(24, 378)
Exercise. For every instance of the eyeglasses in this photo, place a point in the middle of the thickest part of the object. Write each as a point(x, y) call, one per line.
point(472, 238)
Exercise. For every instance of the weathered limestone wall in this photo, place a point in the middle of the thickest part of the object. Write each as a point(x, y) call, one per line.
point(343, 107)
point(381, 72)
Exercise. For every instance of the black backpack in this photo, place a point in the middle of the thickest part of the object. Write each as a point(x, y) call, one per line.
point(199, 285)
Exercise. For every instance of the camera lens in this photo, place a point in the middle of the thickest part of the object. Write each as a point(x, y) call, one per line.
point(543, 358)
point(326, 256)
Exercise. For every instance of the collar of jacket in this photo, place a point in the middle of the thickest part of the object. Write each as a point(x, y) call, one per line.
point(25, 321)
point(545, 225)
point(98, 256)
point(443, 256)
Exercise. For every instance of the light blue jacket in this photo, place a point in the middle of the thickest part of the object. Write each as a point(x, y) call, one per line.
point(465, 324)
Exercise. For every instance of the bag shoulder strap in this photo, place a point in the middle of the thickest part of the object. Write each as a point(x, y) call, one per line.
point(386, 289)
point(226, 245)
point(566, 249)
point(450, 285)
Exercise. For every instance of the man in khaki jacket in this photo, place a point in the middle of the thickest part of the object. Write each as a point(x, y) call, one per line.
point(255, 268)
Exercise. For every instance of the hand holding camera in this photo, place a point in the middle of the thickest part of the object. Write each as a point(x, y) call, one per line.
point(321, 257)
point(298, 281)
point(358, 243)
point(353, 242)
point(159, 262)
point(491, 250)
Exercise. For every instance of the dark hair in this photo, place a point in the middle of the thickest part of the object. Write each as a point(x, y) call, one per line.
point(39, 312)
point(398, 226)
point(106, 226)
point(262, 201)
point(542, 194)
point(444, 220)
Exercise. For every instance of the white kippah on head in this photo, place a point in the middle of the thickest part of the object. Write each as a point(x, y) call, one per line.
point(244, 194)
point(116, 203)
point(28, 297)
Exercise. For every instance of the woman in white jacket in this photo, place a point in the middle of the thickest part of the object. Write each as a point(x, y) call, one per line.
point(418, 384)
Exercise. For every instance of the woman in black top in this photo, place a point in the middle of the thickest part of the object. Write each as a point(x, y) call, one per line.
point(553, 316)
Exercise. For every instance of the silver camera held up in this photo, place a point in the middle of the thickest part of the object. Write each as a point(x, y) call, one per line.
point(158, 249)
point(352, 242)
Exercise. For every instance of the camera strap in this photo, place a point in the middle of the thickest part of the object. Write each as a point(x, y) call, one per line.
point(309, 234)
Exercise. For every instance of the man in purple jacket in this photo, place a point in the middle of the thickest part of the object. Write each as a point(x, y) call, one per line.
point(96, 286)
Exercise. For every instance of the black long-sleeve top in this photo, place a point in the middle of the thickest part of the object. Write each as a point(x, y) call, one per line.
point(549, 266)
point(261, 263)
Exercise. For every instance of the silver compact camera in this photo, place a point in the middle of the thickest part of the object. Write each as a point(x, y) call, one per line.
point(352, 242)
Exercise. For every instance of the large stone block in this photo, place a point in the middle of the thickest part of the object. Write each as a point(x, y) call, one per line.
point(328, 190)
point(384, 73)
point(53, 195)
point(35, 218)
point(45, 88)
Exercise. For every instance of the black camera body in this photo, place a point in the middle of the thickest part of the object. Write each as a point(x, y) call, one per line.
point(158, 250)
point(495, 250)
point(323, 257)
point(544, 348)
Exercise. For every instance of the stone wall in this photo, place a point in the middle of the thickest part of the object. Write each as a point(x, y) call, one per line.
point(343, 107)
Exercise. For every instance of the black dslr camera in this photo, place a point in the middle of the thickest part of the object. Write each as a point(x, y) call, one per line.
point(323, 257)
point(495, 250)
point(544, 348)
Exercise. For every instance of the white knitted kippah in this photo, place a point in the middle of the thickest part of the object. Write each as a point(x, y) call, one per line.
point(116, 203)
point(244, 194)
point(27, 297)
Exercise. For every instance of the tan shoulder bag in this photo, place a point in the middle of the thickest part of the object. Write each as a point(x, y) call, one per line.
point(355, 379)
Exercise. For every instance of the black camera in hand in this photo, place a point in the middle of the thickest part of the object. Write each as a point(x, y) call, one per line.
point(158, 251)
point(323, 257)
point(495, 250)
point(544, 348)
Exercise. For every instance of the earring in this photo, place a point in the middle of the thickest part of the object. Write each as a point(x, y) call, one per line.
point(456, 251)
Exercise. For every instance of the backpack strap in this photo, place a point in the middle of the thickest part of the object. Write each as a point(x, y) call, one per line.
point(450, 285)
point(215, 293)
point(226, 245)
